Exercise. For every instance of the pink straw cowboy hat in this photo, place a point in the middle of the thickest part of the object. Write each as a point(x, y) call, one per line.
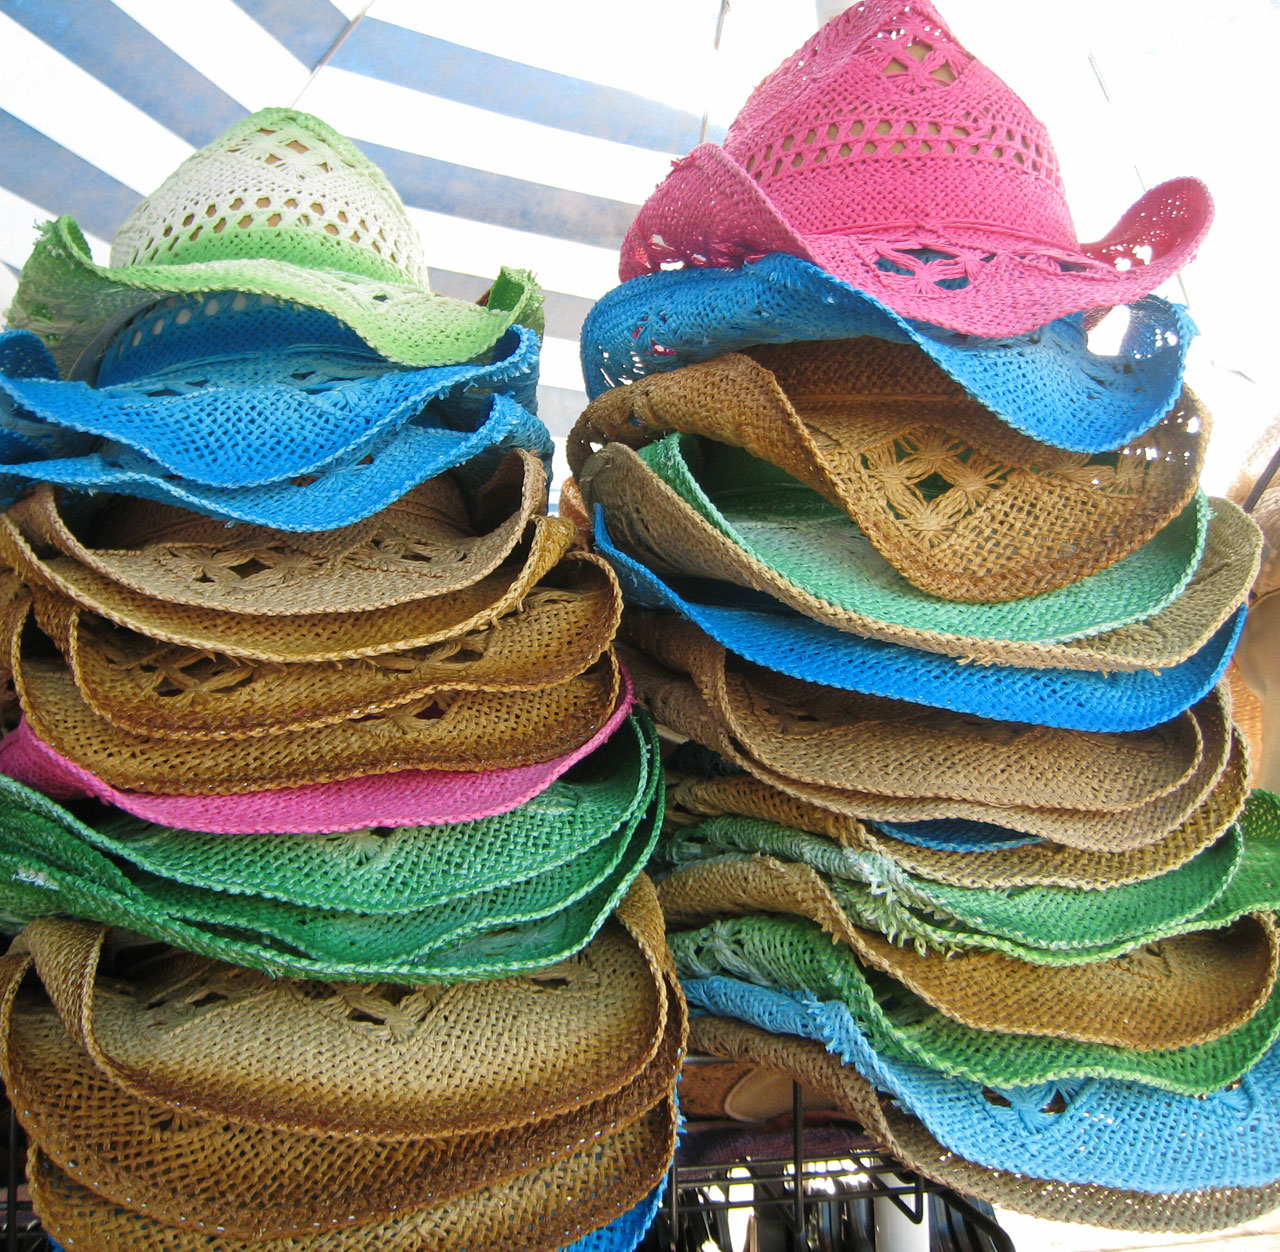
point(887, 154)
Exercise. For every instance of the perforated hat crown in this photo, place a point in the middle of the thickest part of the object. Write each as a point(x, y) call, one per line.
point(281, 185)
point(884, 151)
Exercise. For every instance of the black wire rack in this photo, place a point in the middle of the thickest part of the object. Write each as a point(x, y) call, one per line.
point(827, 1212)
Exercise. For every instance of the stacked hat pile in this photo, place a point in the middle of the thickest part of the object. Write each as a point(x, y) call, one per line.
point(932, 584)
point(329, 698)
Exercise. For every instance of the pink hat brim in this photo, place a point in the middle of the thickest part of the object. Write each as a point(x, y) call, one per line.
point(409, 798)
point(709, 212)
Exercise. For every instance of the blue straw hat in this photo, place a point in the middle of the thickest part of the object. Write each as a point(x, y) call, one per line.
point(251, 410)
point(1114, 1133)
point(787, 641)
point(1047, 384)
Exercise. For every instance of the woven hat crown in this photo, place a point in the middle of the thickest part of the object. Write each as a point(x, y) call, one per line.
point(279, 186)
point(883, 118)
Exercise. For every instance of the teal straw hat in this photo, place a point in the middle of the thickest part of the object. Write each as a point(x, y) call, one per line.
point(280, 205)
point(795, 955)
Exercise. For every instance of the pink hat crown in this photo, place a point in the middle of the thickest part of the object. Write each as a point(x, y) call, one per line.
point(883, 118)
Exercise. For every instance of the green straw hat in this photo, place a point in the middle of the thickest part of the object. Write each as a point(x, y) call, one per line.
point(280, 205)
point(536, 901)
point(906, 1138)
point(1240, 874)
point(1187, 989)
point(794, 954)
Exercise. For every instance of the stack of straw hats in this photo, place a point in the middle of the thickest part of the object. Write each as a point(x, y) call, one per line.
point(312, 689)
point(963, 835)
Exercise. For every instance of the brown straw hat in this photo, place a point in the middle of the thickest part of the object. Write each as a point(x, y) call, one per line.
point(1029, 865)
point(906, 1138)
point(940, 486)
point(855, 742)
point(369, 1061)
point(149, 687)
point(253, 1182)
point(538, 1211)
point(452, 730)
point(649, 519)
point(678, 704)
point(1184, 990)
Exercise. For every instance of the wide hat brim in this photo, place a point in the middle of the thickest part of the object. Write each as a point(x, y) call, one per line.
point(799, 646)
point(371, 477)
point(259, 431)
point(256, 1182)
point(1212, 981)
point(1175, 592)
point(792, 955)
point(867, 425)
point(709, 211)
point(148, 687)
point(1049, 384)
point(77, 306)
point(1196, 1211)
point(444, 1067)
point(405, 798)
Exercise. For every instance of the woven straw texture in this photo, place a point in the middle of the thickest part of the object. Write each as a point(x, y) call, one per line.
point(906, 1138)
point(942, 488)
point(148, 687)
point(237, 391)
point(680, 706)
point(1024, 865)
point(884, 896)
point(794, 955)
point(1154, 1140)
point(317, 1059)
point(446, 730)
point(1089, 625)
point(404, 798)
point(324, 229)
point(508, 928)
point(249, 1181)
point(792, 644)
point(1048, 384)
point(422, 546)
point(845, 740)
point(539, 1211)
point(403, 869)
point(1186, 990)
point(885, 152)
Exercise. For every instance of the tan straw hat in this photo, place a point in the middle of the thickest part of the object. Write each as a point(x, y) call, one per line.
point(940, 486)
point(826, 737)
point(149, 687)
point(253, 1182)
point(906, 1138)
point(367, 1060)
point(678, 704)
point(450, 730)
point(1184, 990)
point(1171, 617)
point(1040, 864)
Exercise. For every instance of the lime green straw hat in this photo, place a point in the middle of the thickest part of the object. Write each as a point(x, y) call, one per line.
point(280, 205)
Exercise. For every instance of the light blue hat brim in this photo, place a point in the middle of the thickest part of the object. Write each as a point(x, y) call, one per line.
point(291, 410)
point(1046, 384)
point(803, 648)
point(371, 477)
point(1112, 1133)
point(625, 1233)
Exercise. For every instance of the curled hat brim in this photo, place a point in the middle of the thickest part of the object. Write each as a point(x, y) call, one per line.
point(77, 306)
point(709, 211)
